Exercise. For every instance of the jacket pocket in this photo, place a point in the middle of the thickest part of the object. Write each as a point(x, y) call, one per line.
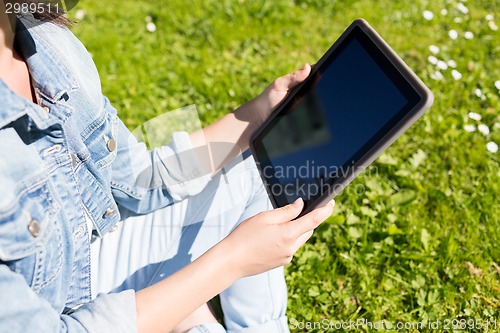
point(30, 240)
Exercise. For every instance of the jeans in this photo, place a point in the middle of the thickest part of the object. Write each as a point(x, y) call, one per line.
point(145, 249)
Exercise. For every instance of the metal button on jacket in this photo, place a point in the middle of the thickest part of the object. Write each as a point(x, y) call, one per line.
point(111, 145)
point(34, 228)
point(109, 212)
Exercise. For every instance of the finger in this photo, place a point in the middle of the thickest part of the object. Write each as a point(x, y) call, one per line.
point(289, 81)
point(313, 219)
point(285, 213)
point(302, 239)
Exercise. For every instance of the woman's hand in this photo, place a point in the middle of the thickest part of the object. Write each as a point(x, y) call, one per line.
point(266, 102)
point(271, 238)
point(262, 242)
point(237, 127)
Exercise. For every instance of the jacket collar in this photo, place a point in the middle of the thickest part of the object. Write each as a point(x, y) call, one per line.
point(51, 78)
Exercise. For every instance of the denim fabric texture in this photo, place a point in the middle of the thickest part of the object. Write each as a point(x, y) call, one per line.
point(145, 249)
point(69, 156)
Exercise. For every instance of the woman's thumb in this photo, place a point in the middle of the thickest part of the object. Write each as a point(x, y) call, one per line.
point(288, 212)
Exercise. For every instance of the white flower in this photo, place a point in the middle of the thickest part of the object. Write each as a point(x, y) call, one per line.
point(469, 35)
point(474, 116)
point(444, 11)
point(151, 27)
point(479, 93)
point(437, 76)
point(452, 63)
point(442, 65)
point(483, 129)
point(434, 49)
point(492, 147)
point(469, 128)
point(456, 74)
point(489, 17)
point(80, 14)
point(493, 26)
point(457, 20)
point(461, 7)
point(433, 60)
point(497, 84)
point(428, 15)
point(453, 34)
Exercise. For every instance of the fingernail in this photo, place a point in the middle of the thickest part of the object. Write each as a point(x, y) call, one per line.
point(332, 202)
point(298, 202)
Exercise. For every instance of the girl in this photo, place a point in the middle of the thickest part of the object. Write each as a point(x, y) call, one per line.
point(99, 234)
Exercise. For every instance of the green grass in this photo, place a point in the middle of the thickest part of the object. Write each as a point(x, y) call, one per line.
point(414, 239)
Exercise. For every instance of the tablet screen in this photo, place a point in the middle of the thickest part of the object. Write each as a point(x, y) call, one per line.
point(336, 117)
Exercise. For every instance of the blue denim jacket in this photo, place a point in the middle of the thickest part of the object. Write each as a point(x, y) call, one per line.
point(62, 159)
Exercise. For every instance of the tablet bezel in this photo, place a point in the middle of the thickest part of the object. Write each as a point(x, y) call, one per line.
point(364, 156)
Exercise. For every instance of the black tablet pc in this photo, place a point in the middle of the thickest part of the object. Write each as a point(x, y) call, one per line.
point(358, 99)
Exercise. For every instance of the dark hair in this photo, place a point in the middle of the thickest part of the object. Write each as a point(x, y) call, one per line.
point(55, 16)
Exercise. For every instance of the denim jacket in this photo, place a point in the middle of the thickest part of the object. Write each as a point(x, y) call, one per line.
point(65, 158)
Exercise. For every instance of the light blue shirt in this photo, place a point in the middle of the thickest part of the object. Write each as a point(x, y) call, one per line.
point(62, 159)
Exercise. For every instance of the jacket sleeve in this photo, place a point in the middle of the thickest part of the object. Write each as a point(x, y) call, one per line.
point(144, 180)
point(21, 310)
